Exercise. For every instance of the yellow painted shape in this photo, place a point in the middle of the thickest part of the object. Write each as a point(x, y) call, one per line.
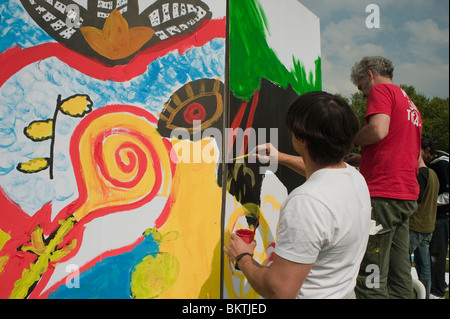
point(195, 215)
point(31, 275)
point(77, 105)
point(101, 191)
point(36, 244)
point(153, 275)
point(34, 165)
point(270, 199)
point(3, 261)
point(40, 130)
point(4, 237)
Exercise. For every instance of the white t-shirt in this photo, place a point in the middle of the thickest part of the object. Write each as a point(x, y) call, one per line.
point(326, 222)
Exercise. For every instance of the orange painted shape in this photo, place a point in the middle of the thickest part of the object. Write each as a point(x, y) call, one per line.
point(116, 40)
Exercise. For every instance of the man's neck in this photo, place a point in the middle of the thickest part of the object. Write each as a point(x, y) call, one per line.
point(311, 167)
point(379, 79)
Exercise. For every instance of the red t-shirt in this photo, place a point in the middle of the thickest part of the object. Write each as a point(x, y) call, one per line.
point(390, 166)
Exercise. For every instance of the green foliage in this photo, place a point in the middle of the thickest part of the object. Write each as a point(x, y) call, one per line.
point(358, 104)
point(434, 113)
point(252, 59)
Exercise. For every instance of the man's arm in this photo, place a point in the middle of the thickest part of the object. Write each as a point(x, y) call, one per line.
point(422, 178)
point(269, 153)
point(374, 131)
point(282, 280)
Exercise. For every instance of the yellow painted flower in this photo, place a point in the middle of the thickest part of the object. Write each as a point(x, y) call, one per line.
point(35, 165)
point(39, 130)
point(77, 105)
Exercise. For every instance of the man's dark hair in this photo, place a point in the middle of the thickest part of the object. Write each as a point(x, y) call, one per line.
point(426, 142)
point(327, 124)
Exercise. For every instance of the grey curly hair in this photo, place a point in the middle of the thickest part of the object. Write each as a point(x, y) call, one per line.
point(376, 64)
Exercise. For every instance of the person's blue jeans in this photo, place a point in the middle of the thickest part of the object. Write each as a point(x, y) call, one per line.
point(419, 243)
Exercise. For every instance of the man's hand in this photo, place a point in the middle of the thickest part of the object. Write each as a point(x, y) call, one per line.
point(265, 153)
point(353, 159)
point(269, 153)
point(238, 246)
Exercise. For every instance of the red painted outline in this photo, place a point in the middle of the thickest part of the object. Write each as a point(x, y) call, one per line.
point(16, 58)
point(238, 120)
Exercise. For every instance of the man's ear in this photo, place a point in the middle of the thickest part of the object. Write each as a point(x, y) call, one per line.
point(302, 145)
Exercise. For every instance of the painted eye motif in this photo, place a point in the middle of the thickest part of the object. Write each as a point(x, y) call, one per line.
point(194, 112)
point(201, 100)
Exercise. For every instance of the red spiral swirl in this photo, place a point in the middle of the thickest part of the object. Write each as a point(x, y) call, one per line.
point(137, 158)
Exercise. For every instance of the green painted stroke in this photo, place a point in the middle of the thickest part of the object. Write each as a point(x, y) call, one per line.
point(251, 58)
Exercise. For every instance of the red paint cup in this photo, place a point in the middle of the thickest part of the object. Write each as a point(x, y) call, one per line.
point(246, 235)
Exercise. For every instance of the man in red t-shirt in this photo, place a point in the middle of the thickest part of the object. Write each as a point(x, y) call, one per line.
point(391, 140)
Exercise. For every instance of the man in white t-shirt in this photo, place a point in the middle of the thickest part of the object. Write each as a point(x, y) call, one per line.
point(324, 224)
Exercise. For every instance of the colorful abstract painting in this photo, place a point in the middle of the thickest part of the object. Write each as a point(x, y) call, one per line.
point(95, 202)
point(105, 107)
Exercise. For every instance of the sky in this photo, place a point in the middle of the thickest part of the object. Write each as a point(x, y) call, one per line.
point(413, 34)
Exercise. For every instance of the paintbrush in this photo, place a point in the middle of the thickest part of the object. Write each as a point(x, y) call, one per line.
point(240, 157)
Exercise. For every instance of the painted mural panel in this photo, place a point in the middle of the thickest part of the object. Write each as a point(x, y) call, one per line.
point(111, 125)
point(96, 200)
point(274, 57)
